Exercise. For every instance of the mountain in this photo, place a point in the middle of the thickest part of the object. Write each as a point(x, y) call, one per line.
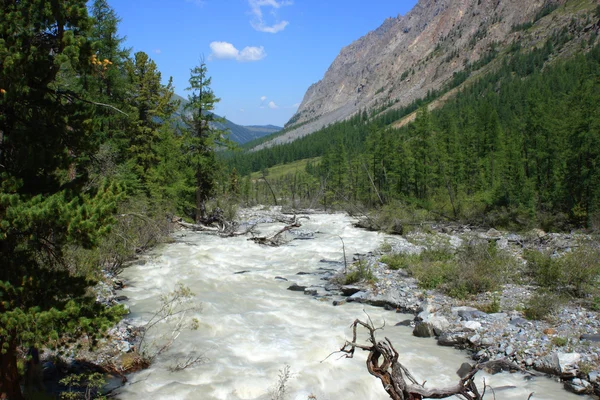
point(411, 56)
point(238, 133)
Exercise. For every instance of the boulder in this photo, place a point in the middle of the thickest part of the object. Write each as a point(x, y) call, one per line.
point(453, 339)
point(579, 386)
point(406, 322)
point(561, 364)
point(471, 325)
point(423, 330)
point(296, 288)
point(349, 290)
point(591, 338)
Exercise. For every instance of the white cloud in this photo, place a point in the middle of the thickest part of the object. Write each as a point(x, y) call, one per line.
point(157, 51)
point(272, 105)
point(296, 105)
point(258, 22)
point(263, 98)
point(227, 51)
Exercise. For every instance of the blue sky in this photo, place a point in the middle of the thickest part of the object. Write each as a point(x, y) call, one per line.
point(262, 55)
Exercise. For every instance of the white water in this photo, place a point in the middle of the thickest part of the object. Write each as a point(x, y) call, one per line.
point(251, 326)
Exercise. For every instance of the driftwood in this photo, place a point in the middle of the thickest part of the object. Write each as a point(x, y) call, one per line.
point(276, 239)
point(396, 379)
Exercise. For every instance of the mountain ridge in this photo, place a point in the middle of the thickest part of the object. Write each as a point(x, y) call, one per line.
point(409, 56)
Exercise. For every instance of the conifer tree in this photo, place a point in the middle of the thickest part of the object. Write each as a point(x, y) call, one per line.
point(45, 140)
point(203, 136)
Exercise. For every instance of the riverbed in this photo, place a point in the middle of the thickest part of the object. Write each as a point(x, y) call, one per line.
point(251, 327)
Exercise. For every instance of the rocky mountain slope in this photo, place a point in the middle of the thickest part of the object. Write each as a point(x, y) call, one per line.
point(409, 56)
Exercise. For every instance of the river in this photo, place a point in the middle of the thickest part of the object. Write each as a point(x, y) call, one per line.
point(251, 326)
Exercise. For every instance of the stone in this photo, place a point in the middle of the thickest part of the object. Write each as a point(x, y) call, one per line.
point(121, 298)
point(439, 323)
point(339, 302)
point(591, 338)
point(311, 291)
point(358, 297)
point(469, 315)
point(593, 376)
point(579, 386)
point(349, 290)
point(464, 369)
point(493, 233)
point(452, 339)
point(296, 288)
point(124, 346)
point(487, 341)
point(475, 340)
point(303, 273)
point(561, 364)
point(549, 331)
point(529, 362)
point(280, 278)
point(471, 325)
point(518, 321)
point(423, 330)
point(406, 322)
point(509, 350)
point(241, 272)
point(567, 363)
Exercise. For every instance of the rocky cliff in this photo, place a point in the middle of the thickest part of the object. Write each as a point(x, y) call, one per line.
point(407, 56)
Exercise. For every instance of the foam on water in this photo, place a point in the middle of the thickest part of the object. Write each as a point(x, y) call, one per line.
point(251, 326)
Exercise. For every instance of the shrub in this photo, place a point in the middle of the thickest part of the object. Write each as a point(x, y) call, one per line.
point(361, 271)
point(480, 267)
point(575, 273)
point(541, 305)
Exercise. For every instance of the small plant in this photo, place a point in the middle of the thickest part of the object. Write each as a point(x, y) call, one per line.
point(492, 307)
point(559, 341)
point(361, 272)
point(279, 391)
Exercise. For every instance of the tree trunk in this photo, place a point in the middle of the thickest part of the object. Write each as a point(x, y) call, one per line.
point(9, 374)
point(200, 204)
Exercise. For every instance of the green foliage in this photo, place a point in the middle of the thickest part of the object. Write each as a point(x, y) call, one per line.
point(472, 269)
point(83, 386)
point(542, 305)
point(559, 341)
point(359, 271)
point(491, 307)
point(202, 137)
point(575, 273)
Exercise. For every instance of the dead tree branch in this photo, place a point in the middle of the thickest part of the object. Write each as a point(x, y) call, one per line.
point(382, 362)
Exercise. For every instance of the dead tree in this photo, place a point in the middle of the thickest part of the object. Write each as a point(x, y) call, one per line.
point(397, 381)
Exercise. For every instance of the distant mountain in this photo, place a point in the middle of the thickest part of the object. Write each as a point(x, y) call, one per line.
point(239, 133)
point(410, 56)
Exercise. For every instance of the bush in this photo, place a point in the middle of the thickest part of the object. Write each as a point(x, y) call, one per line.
point(541, 305)
point(474, 268)
point(480, 267)
point(361, 271)
point(575, 273)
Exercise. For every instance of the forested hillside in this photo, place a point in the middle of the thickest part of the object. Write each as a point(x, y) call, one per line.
point(519, 145)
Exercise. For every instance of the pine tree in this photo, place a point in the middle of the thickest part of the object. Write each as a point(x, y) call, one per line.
point(45, 140)
point(203, 136)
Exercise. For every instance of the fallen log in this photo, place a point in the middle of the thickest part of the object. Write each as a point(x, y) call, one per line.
point(275, 239)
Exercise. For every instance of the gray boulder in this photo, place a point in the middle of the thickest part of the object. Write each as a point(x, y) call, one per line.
point(423, 330)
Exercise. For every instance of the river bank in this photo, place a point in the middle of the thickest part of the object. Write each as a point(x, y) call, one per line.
point(566, 345)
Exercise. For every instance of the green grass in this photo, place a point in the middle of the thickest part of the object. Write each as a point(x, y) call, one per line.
point(472, 269)
point(282, 170)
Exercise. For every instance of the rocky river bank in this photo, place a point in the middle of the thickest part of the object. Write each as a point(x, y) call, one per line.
point(565, 345)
